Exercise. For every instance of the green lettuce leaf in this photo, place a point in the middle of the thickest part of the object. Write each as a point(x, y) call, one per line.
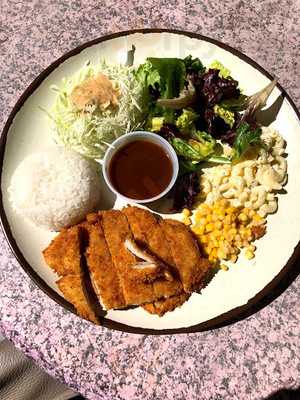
point(186, 121)
point(223, 71)
point(193, 64)
point(196, 149)
point(238, 104)
point(245, 136)
point(164, 76)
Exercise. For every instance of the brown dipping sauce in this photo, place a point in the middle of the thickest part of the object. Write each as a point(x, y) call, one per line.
point(140, 170)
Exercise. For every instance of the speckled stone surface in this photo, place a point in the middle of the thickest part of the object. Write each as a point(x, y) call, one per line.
point(248, 360)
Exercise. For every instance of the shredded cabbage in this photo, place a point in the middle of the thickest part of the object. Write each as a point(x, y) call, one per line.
point(90, 133)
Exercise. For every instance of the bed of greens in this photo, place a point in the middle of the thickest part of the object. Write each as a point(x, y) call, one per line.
point(200, 110)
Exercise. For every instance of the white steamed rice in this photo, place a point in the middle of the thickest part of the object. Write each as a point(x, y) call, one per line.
point(55, 189)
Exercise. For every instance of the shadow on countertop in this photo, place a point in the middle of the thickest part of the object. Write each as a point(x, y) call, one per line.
point(285, 394)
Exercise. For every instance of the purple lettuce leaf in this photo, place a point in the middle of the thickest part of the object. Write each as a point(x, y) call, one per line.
point(185, 191)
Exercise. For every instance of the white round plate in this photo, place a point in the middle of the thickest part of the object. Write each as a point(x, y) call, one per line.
point(231, 295)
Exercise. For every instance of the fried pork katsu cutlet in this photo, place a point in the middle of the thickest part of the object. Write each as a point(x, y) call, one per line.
point(63, 253)
point(185, 251)
point(116, 231)
point(160, 307)
point(124, 258)
point(103, 273)
point(71, 288)
point(146, 230)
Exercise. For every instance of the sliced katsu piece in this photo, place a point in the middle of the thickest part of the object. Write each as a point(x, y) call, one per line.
point(185, 250)
point(145, 226)
point(102, 271)
point(71, 288)
point(116, 232)
point(63, 253)
point(160, 307)
point(147, 231)
point(64, 256)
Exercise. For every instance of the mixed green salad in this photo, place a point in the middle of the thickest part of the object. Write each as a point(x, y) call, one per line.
point(196, 108)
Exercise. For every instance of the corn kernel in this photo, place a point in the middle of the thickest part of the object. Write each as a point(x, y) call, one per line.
point(224, 267)
point(198, 230)
point(202, 221)
point(252, 247)
point(226, 247)
point(233, 231)
point(243, 232)
point(223, 202)
point(227, 219)
point(208, 218)
point(186, 221)
point(186, 212)
point(249, 254)
point(257, 218)
point(229, 237)
point(200, 213)
point(221, 216)
point(233, 258)
point(243, 217)
point(219, 211)
point(212, 236)
point(238, 238)
point(231, 210)
point(226, 228)
point(204, 239)
point(214, 253)
point(215, 218)
point(221, 254)
point(209, 227)
point(215, 243)
point(245, 243)
point(218, 225)
point(251, 213)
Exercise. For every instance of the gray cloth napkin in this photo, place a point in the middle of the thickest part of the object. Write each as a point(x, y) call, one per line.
point(21, 379)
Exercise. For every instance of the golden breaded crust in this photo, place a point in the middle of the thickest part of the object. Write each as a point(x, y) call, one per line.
point(146, 229)
point(63, 253)
point(185, 250)
point(112, 267)
point(116, 231)
point(160, 307)
point(71, 288)
point(103, 273)
point(93, 218)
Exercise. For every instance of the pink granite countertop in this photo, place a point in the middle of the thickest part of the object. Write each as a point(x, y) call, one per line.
point(248, 360)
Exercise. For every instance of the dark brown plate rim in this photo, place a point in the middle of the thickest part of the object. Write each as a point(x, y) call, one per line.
point(269, 293)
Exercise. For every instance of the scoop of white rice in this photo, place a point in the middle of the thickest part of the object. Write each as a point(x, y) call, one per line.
point(55, 189)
